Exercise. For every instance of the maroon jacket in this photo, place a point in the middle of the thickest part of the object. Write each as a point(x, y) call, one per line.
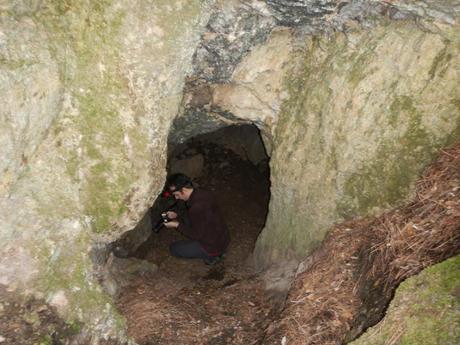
point(204, 222)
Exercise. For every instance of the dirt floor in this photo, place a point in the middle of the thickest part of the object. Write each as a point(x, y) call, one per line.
point(188, 302)
point(27, 320)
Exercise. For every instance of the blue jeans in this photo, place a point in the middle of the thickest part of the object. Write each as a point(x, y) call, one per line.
point(188, 249)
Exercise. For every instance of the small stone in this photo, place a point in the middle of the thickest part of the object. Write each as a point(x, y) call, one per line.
point(2, 339)
point(59, 300)
point(42, 308)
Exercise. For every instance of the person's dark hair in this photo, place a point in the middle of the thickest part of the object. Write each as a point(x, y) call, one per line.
point(179, 181)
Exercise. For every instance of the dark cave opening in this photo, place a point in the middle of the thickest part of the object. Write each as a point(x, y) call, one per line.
point(232, 163)
point(228, 299)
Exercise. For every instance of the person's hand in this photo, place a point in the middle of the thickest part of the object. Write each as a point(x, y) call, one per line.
point(172, 224)
point(171, 215)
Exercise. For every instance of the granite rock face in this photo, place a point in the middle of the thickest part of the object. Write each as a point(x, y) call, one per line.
point(237, 27)
point(365, 114)
point(31, 95)
point(89, 91)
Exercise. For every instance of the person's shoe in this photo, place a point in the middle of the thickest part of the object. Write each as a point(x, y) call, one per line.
point(212, 260)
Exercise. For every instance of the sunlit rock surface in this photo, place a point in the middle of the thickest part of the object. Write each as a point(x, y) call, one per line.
point(89, 90)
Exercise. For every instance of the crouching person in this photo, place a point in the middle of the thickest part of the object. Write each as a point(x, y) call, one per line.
point(201, 222)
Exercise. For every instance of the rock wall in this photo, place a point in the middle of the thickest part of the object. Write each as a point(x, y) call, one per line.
point(364, 112)
point(238, 27)
point(233, 30)
point(425, 310)
point(352, 100)
point(89, 90)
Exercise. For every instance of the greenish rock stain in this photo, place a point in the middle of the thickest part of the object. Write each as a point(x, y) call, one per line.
point(456, 103)
point(441, 61)
point(388, 177)
point(67, 270)
point(358, 70)
point(304, 112)
point(85, 42)
point(15, 64)
point(72, 165)
point(103, 135)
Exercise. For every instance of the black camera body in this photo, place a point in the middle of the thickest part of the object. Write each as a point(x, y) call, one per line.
point(165, 218)
point(164, 203)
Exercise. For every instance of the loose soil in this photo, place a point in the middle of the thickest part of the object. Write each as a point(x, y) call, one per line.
point(188, 302)
point(27, 320)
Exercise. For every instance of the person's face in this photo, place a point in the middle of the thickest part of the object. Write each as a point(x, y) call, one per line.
point(180, 194)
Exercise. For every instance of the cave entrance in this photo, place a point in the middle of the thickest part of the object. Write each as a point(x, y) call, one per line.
point(233, 164)
point(185, 301)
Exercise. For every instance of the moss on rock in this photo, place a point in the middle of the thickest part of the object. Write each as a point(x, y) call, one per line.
point(424, 311)
point(387, 178)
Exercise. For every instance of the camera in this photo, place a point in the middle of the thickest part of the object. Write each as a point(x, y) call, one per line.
point(165, 218)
